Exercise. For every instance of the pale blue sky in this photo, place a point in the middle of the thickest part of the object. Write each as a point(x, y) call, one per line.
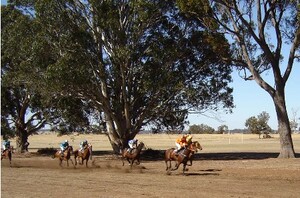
point(251, 100)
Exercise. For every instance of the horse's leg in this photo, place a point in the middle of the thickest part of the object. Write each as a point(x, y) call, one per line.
point(75, 156)
point(183, 170)
point(137, 161)
point(191, 160)
point(132, 163)
point(122, 161)
point(9, 157)
point(128, 161)
point(72, 162)
point(176, 166)
point(170, 164)
point(166, 161)
point(60, 162)
point(86, 162)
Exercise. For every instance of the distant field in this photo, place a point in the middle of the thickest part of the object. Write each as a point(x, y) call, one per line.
point(210, 143)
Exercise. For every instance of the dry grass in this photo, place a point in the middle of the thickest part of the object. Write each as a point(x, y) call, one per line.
point(210, 143)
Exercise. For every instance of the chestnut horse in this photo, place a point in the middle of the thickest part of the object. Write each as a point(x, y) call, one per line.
point(7, 154)
point(187, 154)
point(65, 157)
point(133, 155)
point(86, 154)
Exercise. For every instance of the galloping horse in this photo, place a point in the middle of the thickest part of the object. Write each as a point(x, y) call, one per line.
point(65, 157)
point(182, 157)
point(133, 155)
point(85, 155)
point(7, 154)
point(195, 146)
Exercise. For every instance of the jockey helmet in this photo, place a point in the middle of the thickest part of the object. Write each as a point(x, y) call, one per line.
point(66, 141)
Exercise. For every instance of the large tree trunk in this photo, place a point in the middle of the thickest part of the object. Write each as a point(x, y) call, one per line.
point(21, 141)
point(284, 129)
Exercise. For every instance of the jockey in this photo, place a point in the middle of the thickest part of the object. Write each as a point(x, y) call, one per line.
point(63, 146)
point(5, 145)
point(82, 145)
point(182, 142)
point(132, 144)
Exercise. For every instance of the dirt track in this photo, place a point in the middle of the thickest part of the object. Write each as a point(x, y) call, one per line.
point(216, 175)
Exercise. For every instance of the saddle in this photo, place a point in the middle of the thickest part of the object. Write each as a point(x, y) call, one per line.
point(129, 150)
point(179, 152)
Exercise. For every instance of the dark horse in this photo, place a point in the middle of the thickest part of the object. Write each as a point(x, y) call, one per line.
point(65, 157)
point(7, 154)
point(133, 155)
point(182, 157)
point(86, 154)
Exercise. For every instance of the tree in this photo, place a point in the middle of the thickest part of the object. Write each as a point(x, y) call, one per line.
point(17, 94)
point(223, 129)
point(259, 125)
point(26, 105)
point(138, 62)
point(259, 31)
point(201, 129)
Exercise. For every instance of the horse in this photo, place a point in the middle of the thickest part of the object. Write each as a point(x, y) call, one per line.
point(65, 157)
point(133, 155)
point(195, 146)
point(7, 154)
point(85, 155)
point(183, 156)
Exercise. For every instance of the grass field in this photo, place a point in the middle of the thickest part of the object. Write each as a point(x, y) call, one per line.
point(233, 165)
point(210, 143)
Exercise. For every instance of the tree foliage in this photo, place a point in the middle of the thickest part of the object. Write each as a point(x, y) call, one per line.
point(259, 124)
point(201, 129)
point(136, 62)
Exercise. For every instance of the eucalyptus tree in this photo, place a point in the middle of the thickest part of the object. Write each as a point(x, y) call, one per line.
point(260, 32)
point(139, 62)
point(18, 97)
point(26, 105)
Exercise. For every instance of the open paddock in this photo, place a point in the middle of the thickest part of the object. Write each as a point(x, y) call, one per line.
point(236, 165)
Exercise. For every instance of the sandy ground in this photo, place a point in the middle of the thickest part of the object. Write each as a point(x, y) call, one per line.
point(212, 175)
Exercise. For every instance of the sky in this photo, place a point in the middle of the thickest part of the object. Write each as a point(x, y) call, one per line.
point(251, 100)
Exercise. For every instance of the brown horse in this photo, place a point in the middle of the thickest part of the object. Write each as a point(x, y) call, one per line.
point(195, 146)
point(7, 153)
point(86, 154)
point(65, 157)
point(183, 156)
point(133, 155)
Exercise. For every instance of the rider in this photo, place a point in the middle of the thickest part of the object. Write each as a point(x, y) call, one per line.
point(132, 144)
point(182, 142)
point(82, 145)
point(5, 145)
point(63, 146)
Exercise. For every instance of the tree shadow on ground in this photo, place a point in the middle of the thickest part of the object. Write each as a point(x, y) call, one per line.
point(237, 156)
point(158, 155)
